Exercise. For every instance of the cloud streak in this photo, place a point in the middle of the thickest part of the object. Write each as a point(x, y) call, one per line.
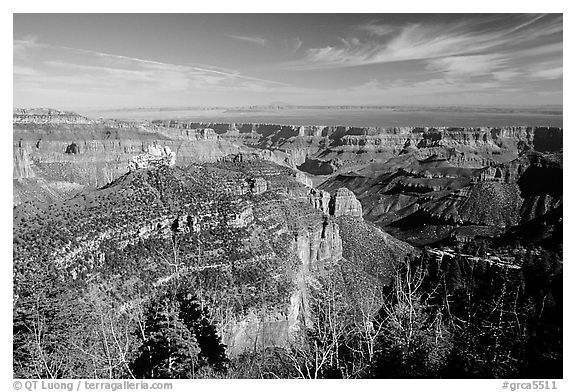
point(487, 55)
point(467, 66)
point(68, 70)
point(382, 43)
point(251, 39)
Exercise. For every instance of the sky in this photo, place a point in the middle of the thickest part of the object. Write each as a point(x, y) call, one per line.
point(70, 61)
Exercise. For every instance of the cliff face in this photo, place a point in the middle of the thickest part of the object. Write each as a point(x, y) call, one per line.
point(465, 147)
point(344, 203)
point(28, 186)
point(319, 242)
point(100, 161)
point(92, 155)
point(316, 243)
point(319, 199)
point(539, 178)
point(323, 149)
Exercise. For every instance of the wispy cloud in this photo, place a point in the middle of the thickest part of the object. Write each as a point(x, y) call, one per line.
point(552, 73)
point(546, 70)
point(422, 41)
point(64, 71)
point(474, 65)
point(251, 39)
point(376, 29)
point(132, 68)
point(491, 54)
point(20, 46)
point(293, 44)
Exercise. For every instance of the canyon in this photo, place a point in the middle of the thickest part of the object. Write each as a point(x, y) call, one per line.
point(255, 217)
point(244, 212)
point(446, 176)
point(102, 149)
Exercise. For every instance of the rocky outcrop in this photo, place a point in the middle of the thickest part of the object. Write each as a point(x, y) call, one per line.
point(154, 157)
point(344, 203)
point(244, 157)
point(318, 242)
point(319, 167)
point(320, 200)
point(30, 185)
point(512, 171)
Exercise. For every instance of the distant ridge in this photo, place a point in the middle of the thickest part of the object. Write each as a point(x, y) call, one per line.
point(544, 109)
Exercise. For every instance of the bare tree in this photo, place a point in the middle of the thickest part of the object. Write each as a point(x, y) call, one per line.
point(414, 338)
point(317, 351)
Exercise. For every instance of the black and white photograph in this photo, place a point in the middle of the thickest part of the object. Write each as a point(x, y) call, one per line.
point(286, 196)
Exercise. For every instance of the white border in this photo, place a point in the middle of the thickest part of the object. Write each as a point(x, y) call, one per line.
point(293, 6)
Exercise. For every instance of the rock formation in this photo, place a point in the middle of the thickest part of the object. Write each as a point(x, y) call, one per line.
point(319, 199)
point(153, 157)
point(324, 149)
point(344, 203)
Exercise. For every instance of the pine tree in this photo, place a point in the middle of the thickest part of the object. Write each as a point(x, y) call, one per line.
point(170, 349)
point(212, 351)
